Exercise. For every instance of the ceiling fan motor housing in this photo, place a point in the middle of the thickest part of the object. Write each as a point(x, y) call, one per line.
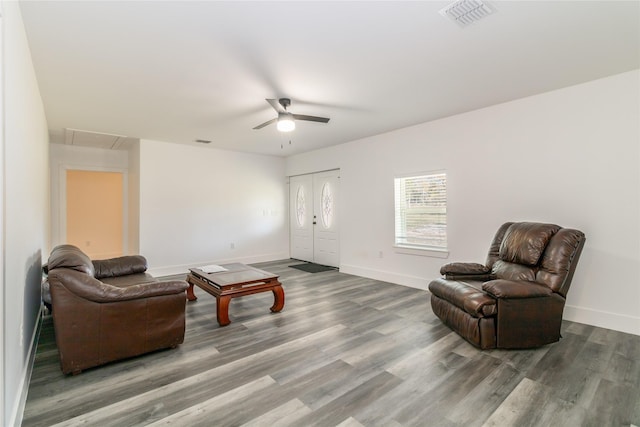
point(285, 102)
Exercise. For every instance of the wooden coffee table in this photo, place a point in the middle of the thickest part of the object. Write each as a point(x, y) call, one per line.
point(239, 280)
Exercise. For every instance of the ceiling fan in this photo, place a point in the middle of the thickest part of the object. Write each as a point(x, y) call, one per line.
point(285, 120)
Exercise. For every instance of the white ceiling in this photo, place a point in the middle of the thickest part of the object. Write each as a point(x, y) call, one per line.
point(178, 71)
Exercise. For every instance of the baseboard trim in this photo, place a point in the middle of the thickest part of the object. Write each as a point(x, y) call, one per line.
point(18, 409)
point(603, 319)
point(386, 276)
point(184, 268)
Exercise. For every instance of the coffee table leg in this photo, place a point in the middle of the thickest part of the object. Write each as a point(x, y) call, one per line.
point(278, 299)
point(222, 310)
point(190, 295)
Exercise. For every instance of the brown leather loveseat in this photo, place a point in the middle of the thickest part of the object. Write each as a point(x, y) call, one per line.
point(107, 310)
point(517, 298)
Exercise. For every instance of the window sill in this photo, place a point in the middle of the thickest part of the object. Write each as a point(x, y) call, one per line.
point(413, 250)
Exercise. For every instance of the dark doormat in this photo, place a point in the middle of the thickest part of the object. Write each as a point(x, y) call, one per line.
point(312, 268)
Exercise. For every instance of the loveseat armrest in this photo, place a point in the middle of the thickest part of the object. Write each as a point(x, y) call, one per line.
point(120, 266)
point(89, 288)
point(153, 289)
point(515, 289)
point(466, 271)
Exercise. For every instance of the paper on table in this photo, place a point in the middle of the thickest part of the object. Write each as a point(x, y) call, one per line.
point(213, 268)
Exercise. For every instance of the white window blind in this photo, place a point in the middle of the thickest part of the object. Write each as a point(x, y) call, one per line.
point(421, 211)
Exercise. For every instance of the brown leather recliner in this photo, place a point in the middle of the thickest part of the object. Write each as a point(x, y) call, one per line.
point(106, 310)
point(517, 298)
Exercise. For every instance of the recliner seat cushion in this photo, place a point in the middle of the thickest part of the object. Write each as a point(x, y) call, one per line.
point(480, 332)
point(467, 296)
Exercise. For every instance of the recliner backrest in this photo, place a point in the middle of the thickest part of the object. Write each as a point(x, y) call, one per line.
point(494, 249)
point(536, 252)
point(520, 250)
point(559, 260)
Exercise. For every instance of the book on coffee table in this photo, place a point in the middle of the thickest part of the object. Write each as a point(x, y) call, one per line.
point(212, 268)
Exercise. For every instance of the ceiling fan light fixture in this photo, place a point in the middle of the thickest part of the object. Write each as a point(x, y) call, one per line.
point(286, 122)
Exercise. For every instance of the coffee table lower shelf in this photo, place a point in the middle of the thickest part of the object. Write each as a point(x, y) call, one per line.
point(224, 294)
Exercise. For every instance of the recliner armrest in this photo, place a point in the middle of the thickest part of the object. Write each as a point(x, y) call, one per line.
point(514, 289)
point(89, 288)
point(466, 271)
point(120, 266)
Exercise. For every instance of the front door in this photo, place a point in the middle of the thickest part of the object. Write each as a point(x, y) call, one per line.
point(301, 217)
point(314, 220)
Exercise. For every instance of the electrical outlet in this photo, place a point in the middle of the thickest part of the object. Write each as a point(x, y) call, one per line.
point(232, 246)
point(380, 254)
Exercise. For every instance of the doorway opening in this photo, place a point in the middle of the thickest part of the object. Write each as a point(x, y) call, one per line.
point(95, 212)
point(314, 225)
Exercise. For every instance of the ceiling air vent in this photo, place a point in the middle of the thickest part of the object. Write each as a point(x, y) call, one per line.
point(203, 141)
point(465, 12)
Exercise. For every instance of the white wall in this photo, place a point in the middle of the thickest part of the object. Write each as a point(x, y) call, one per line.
point(26, 203)
point(187, 204)
point(64, 157)
point(569, 157)
point(195, 202)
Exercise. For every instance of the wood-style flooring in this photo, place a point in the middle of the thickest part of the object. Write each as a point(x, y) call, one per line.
point(345, 351)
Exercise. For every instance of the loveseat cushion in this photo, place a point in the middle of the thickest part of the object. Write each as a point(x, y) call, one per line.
point(71, 257)
point(466, 295)
point(524, 242)
point(120, 266)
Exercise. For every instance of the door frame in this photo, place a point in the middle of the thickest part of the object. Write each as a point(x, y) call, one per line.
point(2, 219)
point(60, 236)
point(289, 208)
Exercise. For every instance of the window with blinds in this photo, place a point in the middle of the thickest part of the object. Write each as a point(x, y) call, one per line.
point(421, 211)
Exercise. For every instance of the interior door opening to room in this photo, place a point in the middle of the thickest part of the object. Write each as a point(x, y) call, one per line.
point(314, 225)
point(94, 217)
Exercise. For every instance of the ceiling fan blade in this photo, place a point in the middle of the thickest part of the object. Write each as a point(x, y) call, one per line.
point(311, 118)
point(266, 123)
point(276, 105)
